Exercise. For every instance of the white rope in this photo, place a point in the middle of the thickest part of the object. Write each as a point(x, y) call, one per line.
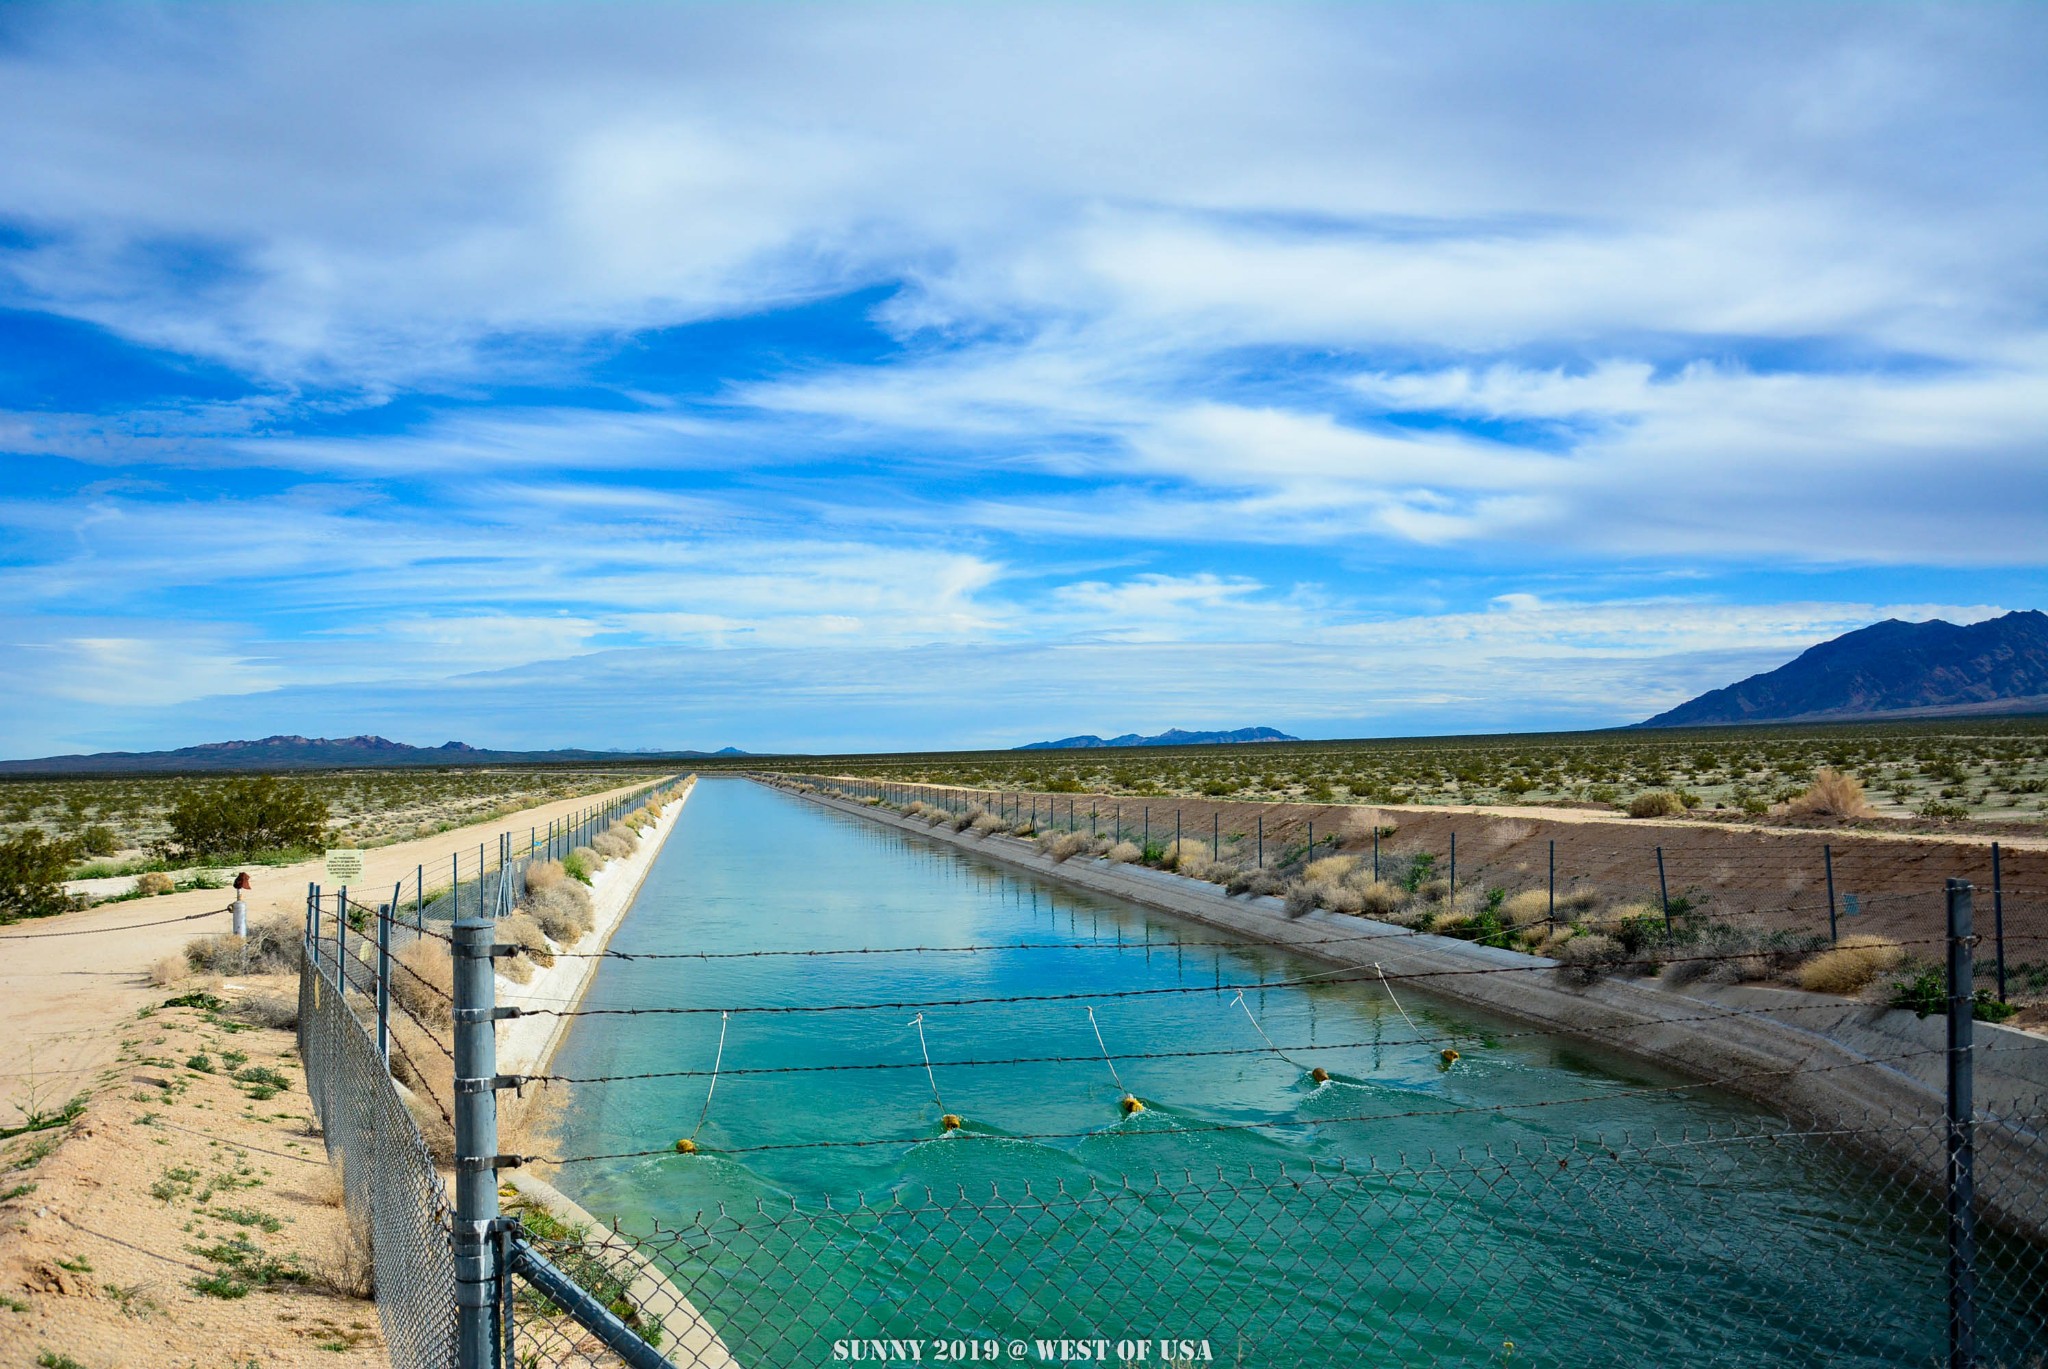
point(1397, 1002)
point(1105, 1051)
point(716, 1063)
point(1239, 1001)
point(918, 1022)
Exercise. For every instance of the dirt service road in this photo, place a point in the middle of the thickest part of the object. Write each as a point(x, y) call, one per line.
point(66, 982)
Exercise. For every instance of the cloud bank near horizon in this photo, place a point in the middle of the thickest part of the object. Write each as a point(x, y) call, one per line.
point(1364, 369)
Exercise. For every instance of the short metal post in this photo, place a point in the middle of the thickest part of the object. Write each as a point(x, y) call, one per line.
point(1827, 855)
point(1311, 840)
point(384, 974)
point(476, 1143)
point(1962, 1234)
point(1663, 893)
point(1262, 841)
point(1998, 917)
point(1551, 916)
point(1215, 836)
point(1453, 900)
point(1148, 827)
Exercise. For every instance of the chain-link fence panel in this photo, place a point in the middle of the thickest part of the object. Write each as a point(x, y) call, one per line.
point(393, 1192)
point(1673, 1251)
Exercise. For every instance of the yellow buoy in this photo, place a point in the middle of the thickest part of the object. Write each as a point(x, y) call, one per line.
point(1450, 1056)
point(951, 1122)
point(1320, 1075)
point(686, 1147)
point(1132, 1105)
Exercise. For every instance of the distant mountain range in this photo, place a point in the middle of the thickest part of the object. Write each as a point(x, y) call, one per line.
point(320, 753)
point(1891, 669)
point(1171, 737)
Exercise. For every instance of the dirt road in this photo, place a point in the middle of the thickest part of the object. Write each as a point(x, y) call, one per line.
point(65, 982)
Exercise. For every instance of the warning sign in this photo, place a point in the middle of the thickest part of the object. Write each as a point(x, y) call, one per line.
point(344, 867)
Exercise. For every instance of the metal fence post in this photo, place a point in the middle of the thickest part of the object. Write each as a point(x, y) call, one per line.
point(313, 921)
point(1962, 1243)
point(476, 1143)
point(1375, 849)
point(1551, 916)
point(384, 974)
point(1827, 855)
point(341, 938)
point(1262, 841)
point(1998, 917)
point(1663, 893)
point(1453, 899)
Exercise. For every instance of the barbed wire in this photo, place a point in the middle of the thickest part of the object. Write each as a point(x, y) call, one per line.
point(1271, 1124)
point(1469, 1035)
point(1341, 975)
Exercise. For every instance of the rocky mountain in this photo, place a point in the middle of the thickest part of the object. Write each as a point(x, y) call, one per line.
point(1890, 669)
point(316, 753)
point(1171, 737)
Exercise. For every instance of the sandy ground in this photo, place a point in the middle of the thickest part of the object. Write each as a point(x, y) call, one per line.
point(102, 1237)
point(65, 982)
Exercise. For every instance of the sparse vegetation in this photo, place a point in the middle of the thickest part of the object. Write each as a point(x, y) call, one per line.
point(33, 867)
point(243, 817)
point(1909, 771)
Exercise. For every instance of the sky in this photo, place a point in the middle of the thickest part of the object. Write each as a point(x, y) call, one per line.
point(805, 377)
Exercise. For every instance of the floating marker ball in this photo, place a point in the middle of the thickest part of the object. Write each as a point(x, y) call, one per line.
point(1320, 1075)
point(686, 1147)
point(1450, 1056)
point(1132, 1106)
point(951, 1121)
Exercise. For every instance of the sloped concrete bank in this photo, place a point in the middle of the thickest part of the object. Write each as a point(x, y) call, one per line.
point(1875, 1075)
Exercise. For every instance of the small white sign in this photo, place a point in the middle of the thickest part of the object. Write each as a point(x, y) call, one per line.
point(344, 867)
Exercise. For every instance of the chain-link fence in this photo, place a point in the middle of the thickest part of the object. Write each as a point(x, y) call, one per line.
point(1626, 1250)
point(1908, 1235)
point(394, 1195)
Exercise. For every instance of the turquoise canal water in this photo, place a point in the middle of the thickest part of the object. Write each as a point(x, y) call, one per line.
point(1601, 1216)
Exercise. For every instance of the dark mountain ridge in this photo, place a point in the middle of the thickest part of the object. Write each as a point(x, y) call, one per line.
point(1920, 669)
point(1173, 736)
point(318, 753)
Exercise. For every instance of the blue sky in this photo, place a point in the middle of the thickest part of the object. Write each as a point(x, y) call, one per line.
point(826, 377)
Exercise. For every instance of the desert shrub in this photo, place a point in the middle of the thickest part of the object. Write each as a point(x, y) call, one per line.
point(1637, 926)
point(154, 882)
point(32, 870)
point(1342, 898)
point(543, 875)
point(613, 845)
point(1433, 890)
point(1588, 955)
point(1329, 869)
point(1379, 898)
point(1852, 965)
point(1527, 907)
point(275, 1010)
point(218, 953)
point(937, 817)
point(1124, 852)
point(1578, 902)
point(1832, 795)
point(1066, 845)
point(522, 931)
point(98, 840)
point(562, 910)
point(168, 971)
point(1303, 898)
point(581, 864)
point(244, 817)
point(424, 983)
point(986, 823)
point(974, 814)
point(347, 1268)
point(1655, 803)
point(1182, 854)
